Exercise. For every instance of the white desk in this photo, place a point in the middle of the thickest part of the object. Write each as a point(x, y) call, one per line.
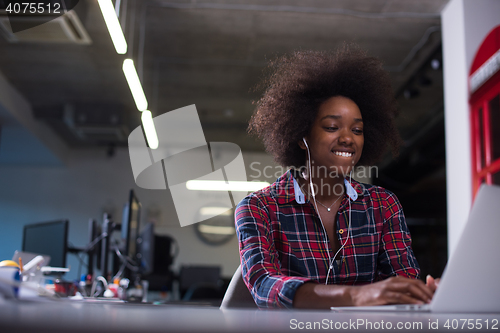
point(71, 316)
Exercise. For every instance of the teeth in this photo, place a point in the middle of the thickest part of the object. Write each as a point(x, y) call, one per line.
point(344, 154)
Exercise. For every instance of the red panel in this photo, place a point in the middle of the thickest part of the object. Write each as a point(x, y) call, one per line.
point(487, 136)
point(479, 100)
point(493, 168)
point(476, 149)
point(488, 47)
point(486, 89)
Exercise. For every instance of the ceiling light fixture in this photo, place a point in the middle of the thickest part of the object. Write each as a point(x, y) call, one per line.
point(149, 129)
point(435, 64)
point(213, 211)
point(135, 84)
point(220, 185)
point(114, 27)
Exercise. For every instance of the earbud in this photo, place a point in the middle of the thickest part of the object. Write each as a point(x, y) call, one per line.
point(305, 142)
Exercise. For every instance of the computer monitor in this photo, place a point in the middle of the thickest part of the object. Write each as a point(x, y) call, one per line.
point(94, 246)
point(157, 257)
point(49, 238)
point(166, 249)
point(193, 276)
point(146, 250)
point(155, 253)
point(130, 225)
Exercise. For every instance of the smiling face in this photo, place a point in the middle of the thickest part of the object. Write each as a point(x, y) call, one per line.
point(336, 138)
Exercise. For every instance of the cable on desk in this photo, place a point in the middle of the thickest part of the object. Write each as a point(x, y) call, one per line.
point(94, 285)
point(126, 262)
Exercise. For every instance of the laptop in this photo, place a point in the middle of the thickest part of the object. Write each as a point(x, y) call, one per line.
point(26, 257)
point(470, 280)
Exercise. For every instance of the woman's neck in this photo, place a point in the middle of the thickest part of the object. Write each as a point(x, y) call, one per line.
point(326, 188)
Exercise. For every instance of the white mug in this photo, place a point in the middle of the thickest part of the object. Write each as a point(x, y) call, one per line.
point(9, 281)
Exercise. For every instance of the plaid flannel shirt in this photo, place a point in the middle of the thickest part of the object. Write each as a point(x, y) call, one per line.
point(283, 245)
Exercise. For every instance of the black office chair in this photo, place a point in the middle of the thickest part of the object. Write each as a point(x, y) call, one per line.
point(198, 282)
point(203, 292)
point(237, 294)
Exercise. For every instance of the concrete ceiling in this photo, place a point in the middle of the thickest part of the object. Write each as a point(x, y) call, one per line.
point(213, 52)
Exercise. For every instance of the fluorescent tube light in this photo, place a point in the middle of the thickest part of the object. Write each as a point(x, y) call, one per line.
point(215, 229)
point(135, 84)
point(214, 211)
point(114, 27)
point(149, 129)
point(220, 185)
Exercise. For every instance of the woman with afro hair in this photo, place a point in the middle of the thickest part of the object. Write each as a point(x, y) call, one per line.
point(316, 238)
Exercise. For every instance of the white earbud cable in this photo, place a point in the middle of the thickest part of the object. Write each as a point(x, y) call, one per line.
point(330, 260)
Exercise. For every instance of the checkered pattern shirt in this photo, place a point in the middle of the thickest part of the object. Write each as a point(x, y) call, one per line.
point(283, 245)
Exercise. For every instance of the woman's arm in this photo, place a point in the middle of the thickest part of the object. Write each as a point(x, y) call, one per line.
point(396, 255)
point(394, 290)
point(261, 269)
